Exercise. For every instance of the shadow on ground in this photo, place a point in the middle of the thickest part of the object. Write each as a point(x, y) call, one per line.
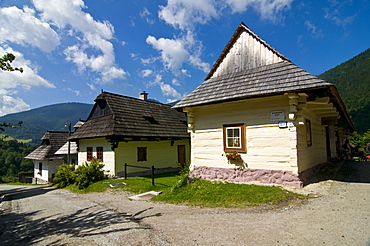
point(24, 192)
point(22, 229)
point(345, 171)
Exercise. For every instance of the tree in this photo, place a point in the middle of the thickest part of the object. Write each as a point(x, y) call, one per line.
point(5, 62)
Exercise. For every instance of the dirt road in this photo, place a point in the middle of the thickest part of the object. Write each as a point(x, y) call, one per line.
point(339, 215)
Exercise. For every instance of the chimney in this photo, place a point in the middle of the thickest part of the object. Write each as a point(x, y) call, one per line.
point(144, 96)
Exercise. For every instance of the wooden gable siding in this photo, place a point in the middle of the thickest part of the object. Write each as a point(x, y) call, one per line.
point(246, 52)
point(101, 108)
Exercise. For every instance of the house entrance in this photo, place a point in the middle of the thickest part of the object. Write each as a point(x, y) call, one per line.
point(181, 157)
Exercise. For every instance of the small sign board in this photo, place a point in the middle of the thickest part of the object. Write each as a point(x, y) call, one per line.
point(277, 115)
point(282, 124)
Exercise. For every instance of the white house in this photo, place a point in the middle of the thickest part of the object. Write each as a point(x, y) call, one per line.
point(283, 122)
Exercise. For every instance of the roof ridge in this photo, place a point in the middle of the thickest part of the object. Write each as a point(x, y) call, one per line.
point(128, 97)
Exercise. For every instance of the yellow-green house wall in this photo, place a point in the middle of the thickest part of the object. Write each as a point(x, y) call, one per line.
point(160, 154)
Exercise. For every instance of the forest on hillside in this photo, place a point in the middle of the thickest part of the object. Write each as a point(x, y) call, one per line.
point(12, 160)
point(352, 78)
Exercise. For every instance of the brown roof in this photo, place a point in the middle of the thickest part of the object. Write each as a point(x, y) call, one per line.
point(267, 80)
point(51, 142)
point(116, 117)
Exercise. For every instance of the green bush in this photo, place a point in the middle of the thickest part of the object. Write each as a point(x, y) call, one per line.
point(65, 176)
point(184, 178)
point(82, 176)
point(87, 174)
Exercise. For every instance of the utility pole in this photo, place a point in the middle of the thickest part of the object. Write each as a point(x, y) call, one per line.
point(69, 144)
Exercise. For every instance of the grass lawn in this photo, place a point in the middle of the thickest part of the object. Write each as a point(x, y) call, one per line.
point(200, 193)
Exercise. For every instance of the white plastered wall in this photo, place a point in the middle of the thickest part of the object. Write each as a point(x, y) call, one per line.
point(268, 146)
point(108, 154)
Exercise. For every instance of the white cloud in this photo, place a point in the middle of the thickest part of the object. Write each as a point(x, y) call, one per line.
point(176, 82)
point(11, 80)
point(69, 13)
point(144, 14)
point(94, 50)
point(77, 92)
point(166, 89)
point(267, 9)
point(184, 14)
point(27, 79)
point(23, 28)
point(146, 73)
point(9, 104)
point(91, 86)
point(315, 32)
point(336, 17)
point(173, 52)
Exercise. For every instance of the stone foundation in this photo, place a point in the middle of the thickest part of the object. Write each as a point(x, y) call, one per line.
point(248, 175)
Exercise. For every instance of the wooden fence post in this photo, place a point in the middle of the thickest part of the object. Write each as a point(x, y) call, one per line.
point(125, 170)
point(152, 175)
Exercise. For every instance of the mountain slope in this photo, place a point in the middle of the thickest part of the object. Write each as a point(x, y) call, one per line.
point(52, 117)
point(352, 78)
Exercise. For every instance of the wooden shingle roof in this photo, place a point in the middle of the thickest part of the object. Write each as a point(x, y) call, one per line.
point(267, 80)
point(52, 141)
point(116, 117)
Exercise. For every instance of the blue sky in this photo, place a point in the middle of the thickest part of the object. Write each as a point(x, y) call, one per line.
point(70, 50)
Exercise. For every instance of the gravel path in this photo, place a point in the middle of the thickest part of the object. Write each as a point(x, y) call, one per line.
point(338, 213)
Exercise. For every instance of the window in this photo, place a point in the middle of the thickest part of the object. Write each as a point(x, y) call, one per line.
point(234, 137)
point(89, 153)
point(308, 133)
point(40, 168)
point(99, 153)
point(141, 153)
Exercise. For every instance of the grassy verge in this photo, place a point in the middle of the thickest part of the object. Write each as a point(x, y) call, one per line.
point(200, 193)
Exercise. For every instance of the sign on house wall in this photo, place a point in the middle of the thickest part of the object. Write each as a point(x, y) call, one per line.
point(277, 115)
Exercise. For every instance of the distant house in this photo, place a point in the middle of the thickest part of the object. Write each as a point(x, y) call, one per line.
point(138, 132)
point(284, 122)
point(47, 157)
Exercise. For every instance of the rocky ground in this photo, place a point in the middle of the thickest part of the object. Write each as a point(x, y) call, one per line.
point(337, 213)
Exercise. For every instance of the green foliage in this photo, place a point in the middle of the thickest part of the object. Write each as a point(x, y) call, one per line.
point(199, 192)
point(184, 178)
point(87, 174)
point(12, 160)
point(65, 176)
point(83, 176)
point(352, 78)
point(5, 62)
point(358, 139)
point(204, 193)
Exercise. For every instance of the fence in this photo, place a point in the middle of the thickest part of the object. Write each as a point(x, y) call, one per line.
point(152, 168)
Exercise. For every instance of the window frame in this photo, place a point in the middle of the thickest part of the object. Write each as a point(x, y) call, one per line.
point(99, 153)
point(89, 153)
point(142, 154)
point(242, 139)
